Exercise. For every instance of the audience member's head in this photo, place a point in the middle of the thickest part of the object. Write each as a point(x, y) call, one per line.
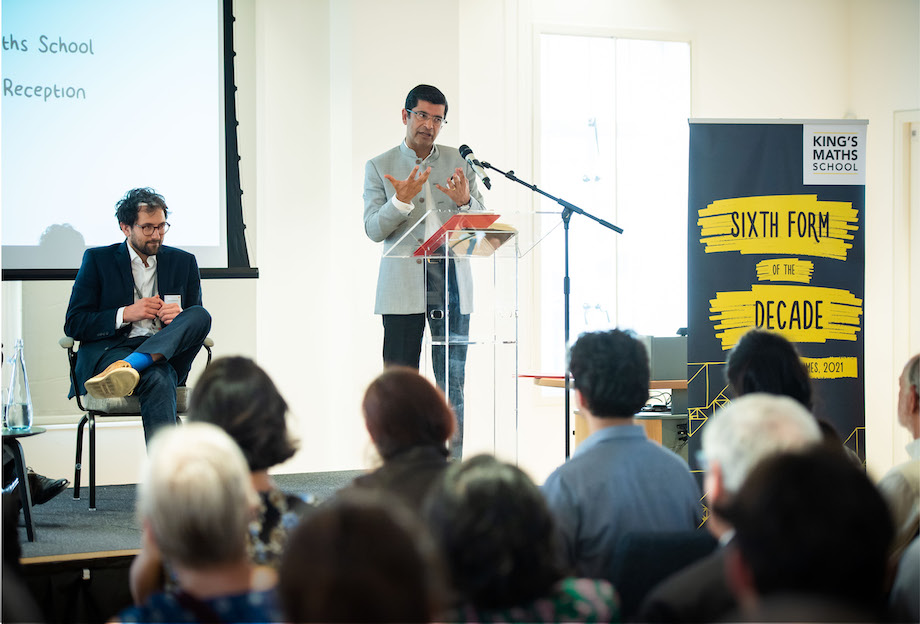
point(748, 430)
point(235, 394)
point(403, 410)
point(196, 497)
point(11, 550)
point(802, 608)
point(496, 534)
point(901, 485)
point(360, 558)
point(17, 605)
point(909, 397)
point(764, 361)
point(611, 373)
point(809, 523)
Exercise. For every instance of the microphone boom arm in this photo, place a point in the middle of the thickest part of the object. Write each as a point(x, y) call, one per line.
point(567, 207)
point(567, 210)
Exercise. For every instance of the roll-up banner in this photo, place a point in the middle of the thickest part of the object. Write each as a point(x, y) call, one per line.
point(776, 241)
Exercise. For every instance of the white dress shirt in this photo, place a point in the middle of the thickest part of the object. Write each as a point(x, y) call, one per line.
point(145, 285)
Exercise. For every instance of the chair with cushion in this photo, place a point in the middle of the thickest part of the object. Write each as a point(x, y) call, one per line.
point(120, 407)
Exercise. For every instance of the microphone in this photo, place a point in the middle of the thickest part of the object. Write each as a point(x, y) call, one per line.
point(467, 153)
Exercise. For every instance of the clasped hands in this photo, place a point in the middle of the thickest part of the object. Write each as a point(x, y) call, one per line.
point(150, 308)
point(458, 187)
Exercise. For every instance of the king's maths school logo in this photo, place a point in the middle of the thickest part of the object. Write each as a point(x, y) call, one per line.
point(834, 154)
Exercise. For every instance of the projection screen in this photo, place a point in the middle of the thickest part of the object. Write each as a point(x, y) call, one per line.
point(101, 96)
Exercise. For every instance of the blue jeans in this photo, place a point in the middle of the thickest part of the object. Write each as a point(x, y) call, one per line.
point(179, 343)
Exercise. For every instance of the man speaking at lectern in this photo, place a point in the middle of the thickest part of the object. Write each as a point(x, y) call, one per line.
point(397, 194)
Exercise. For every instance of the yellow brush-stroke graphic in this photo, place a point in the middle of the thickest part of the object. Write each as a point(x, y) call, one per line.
point(778, 224)
point(785, 270)
point(800, 313)
point(831, 367)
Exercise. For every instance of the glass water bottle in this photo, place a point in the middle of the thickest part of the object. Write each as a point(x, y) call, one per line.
point(18, 409)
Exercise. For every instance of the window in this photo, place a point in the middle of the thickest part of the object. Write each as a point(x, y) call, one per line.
point(614, 142)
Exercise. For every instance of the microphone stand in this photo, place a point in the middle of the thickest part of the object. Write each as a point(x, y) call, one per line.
point(567, 210)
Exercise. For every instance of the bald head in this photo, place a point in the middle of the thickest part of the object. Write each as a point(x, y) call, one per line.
point(909, 397)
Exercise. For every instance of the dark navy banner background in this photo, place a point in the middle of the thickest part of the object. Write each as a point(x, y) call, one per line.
point(758, 167)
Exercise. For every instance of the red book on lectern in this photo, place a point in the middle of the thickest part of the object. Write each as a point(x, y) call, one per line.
point(463, 221)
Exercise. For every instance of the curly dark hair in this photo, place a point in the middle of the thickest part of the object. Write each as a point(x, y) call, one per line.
point(611, 370)
point(764, 361)
point(235, 394)
point(127, 207)
point(403, 410)
point(428, 94)
point(496, 533)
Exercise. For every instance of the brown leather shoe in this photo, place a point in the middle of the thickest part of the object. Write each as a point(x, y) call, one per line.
point(117, 380)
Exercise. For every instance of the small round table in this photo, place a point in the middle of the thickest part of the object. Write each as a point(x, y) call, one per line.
point(11, 443)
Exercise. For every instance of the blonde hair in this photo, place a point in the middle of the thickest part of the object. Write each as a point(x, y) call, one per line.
point(197, 495)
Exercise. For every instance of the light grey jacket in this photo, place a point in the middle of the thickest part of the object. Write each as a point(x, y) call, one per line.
point(401, 281)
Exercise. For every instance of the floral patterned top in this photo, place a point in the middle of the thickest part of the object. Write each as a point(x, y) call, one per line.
point(279, 513)
point(572, 600)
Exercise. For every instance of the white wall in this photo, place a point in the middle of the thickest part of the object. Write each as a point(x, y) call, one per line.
point(321, 83)
point(884, 61)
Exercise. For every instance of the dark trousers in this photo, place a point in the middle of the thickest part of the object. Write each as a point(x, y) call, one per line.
point(402, 340)
point(179, 343)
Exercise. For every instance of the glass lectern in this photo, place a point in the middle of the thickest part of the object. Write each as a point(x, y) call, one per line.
point(469, 264)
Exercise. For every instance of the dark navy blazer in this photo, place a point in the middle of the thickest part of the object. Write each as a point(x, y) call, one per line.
point(104, 284)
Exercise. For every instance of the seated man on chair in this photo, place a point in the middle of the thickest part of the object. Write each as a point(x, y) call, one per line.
point(136, 310)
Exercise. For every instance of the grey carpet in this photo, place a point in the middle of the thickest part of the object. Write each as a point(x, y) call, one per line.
point(66, 526)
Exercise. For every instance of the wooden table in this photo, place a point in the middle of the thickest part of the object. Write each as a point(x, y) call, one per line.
point(650, 421)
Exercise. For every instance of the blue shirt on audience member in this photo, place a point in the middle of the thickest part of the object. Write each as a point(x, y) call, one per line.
point(618, 481)
point(256, 606)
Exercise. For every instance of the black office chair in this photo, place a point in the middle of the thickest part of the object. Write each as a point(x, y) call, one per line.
point(644, 559)
point(93, 407)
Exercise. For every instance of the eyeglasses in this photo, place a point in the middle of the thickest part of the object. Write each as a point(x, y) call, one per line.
point(148, 228)
point(424, 117)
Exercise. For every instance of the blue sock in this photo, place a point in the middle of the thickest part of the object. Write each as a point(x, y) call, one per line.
point(139, 361)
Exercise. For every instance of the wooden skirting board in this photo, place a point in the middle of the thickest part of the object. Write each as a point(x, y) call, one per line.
point(87, 556)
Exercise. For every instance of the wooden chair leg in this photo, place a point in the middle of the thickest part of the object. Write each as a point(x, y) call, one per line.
point(78, 461)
